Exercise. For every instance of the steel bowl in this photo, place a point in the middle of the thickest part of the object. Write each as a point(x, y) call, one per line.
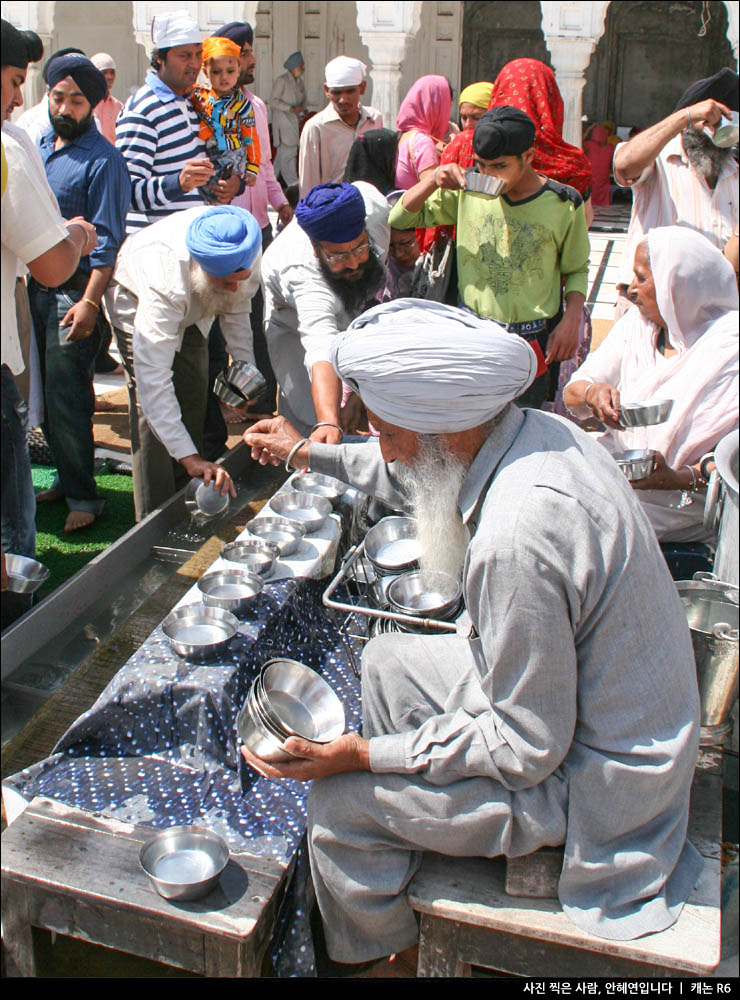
point(639, 414)
point(256, 736)
point(225, 393)
point(391, 545)
point(209, 501)
point(284, 534)
point(244, 379)
point(301, 700)
point(306, 509)
point(197, 631)
point(256, 555)
point(24, 575)
point(184, 862)
point(426, 594)
point(322, 486)
point(483, 183)
point(230, 589)
point(637, 464)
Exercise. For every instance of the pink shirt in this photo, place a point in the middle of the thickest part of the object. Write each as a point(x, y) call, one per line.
point(671, 193)
point(416, 152)
point(106, 113)
point(267, 190)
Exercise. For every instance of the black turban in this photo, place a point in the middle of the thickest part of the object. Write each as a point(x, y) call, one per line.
point(721, 87)
point(87, 76)
point(503, 131)
point(19, 48)
point(238, 31)
point(53, 56)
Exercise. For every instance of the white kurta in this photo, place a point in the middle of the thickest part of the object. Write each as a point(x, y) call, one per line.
point(151, 295)
point(569, 714)
point(325, 144)
point(302, 313)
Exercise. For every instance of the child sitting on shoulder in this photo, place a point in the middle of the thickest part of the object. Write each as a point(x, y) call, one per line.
point(227, 118)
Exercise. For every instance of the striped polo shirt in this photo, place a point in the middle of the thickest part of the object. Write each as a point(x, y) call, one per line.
point(157, 132)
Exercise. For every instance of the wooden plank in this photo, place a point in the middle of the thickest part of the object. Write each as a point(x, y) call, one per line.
point(439, 950)
point(535, 875)
point(17, 933)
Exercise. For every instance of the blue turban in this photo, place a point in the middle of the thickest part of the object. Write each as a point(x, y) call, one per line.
point(87, 76)
point(238, 31)
point(332, 212)
point(293, 61)
point(224, 239)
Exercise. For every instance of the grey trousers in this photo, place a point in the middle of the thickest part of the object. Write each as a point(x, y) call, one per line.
point(367, 832)
point(157, 476)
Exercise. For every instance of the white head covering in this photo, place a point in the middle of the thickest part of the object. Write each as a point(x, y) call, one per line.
point(431, 368)
point(344, 72)
point(176, 27)
point(102, 61)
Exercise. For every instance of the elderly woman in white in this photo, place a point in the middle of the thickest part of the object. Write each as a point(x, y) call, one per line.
point(679, 342)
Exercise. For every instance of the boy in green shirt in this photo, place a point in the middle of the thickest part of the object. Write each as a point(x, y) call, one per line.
point(514, 251)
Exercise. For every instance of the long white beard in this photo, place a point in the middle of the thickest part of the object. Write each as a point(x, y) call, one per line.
point(433, 485)
point(215, 301)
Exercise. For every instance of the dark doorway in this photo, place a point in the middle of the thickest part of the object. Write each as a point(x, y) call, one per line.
point(496, 33)
point(649, 54)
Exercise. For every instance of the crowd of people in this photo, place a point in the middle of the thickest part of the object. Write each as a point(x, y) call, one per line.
point(416, 314)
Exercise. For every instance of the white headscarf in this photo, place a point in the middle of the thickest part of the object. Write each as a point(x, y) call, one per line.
point(102, 61)
point(431, 368)
point(344, 72)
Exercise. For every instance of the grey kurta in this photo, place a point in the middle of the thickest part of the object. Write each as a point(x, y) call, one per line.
point(569, 715)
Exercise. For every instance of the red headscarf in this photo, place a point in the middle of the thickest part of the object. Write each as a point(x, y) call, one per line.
point(530, 85)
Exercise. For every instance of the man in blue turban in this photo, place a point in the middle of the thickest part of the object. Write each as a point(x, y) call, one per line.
point(321, 272)
point(171, 280)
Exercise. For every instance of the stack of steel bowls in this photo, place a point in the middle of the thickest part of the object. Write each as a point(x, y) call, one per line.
point(239, 383)
point(392, 547)
point(425, 594)
point(288, 699)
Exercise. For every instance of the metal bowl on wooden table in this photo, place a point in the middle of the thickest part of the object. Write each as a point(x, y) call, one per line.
point(639, 414)
point(255, 555)
point(230, 589)
point(184, 862)
point(306, 509)
point(25, 575)
point(391, 545)
point(636, 464)
point(281, 532)
point(199, 631)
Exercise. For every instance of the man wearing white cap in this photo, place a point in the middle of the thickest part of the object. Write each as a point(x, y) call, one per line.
point(110, 107)
point(557, 713)
point(327, 137)
point(157, 131)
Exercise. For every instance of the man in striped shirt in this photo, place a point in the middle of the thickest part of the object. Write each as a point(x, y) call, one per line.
point(157, 131)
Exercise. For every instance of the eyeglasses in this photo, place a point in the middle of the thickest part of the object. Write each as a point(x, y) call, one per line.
point(344, 256)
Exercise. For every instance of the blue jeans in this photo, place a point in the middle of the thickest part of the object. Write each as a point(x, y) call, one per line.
point(67, 369)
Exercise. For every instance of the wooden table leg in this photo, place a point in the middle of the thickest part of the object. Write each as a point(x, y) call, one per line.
point(439, 942)
point(17, 932)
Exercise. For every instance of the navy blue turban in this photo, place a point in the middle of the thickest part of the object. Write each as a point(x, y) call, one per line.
point(334, 213)
point(503, 131)
point(87, 76)
point(238, 31)
point(224, 239)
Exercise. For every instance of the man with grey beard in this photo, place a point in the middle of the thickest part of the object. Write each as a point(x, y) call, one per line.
point(678, 176)
point(171, 280)
point(564, 711)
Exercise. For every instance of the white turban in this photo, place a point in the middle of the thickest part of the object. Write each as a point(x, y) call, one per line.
point(431, 368)
point(175, 28)
point(344, 72)
point(102, 61)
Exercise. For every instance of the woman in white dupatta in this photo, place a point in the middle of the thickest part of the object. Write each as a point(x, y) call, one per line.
point(679, 341)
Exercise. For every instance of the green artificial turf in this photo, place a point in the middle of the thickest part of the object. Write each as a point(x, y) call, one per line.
point(67, 552)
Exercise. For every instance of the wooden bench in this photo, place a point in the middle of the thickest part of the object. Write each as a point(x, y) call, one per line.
point(71, 872)
point(467, 917)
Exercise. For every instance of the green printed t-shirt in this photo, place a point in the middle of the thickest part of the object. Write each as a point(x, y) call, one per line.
point(511, 256)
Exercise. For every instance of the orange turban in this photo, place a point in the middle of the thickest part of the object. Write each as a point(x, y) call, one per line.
point(216, 47)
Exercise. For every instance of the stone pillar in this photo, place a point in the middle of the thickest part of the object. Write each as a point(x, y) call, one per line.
point(732, 28)
point(386, 28)
point(571, 31)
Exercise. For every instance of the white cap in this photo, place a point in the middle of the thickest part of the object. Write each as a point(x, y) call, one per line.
point(344, 72)
point(102, 61)
point(175, 28)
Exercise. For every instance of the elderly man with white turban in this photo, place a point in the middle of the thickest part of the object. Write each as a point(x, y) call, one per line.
point(327, 138)
point(171, 280)
point(564, 710)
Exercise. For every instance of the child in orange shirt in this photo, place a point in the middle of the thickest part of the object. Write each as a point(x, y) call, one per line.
point(226, 115)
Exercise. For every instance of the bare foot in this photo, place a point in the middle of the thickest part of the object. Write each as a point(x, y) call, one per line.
point(77, 519)
point(103, 406)
point(50, 495)
point(233, 414)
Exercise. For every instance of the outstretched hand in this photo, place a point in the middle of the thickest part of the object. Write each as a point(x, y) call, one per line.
point(315, 760)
